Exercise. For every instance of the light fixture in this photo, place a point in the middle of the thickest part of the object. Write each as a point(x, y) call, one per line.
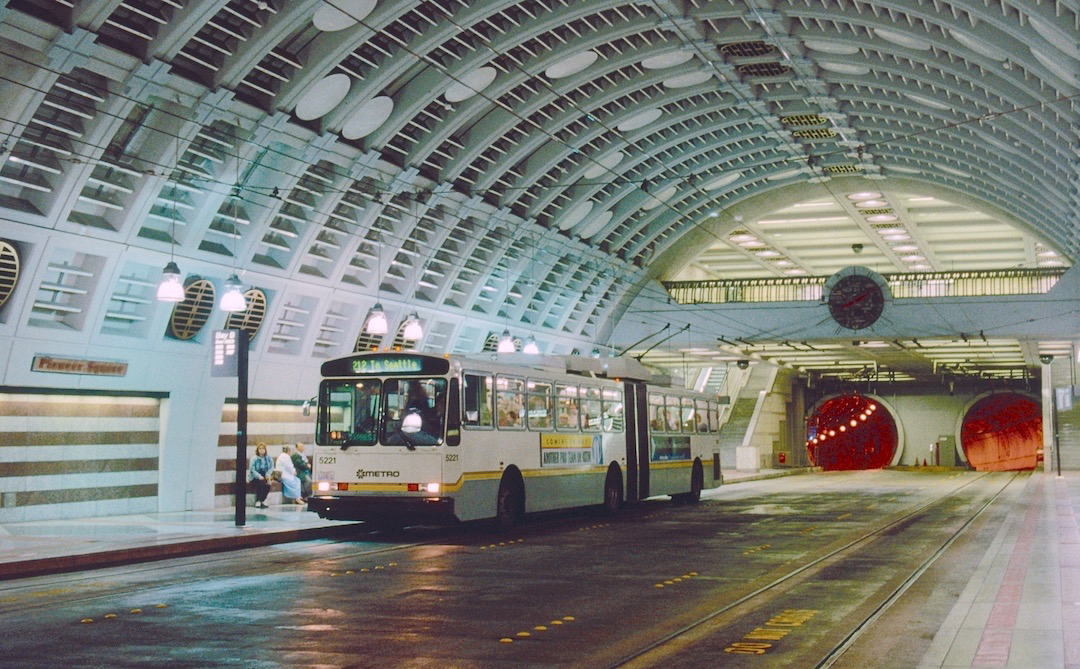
point(233, 297)
point(413, 330)
point(376, 322)
point(171, 289)
point(506, 343)
point(530, 346)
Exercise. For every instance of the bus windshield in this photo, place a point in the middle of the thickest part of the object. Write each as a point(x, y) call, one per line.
point(394, 412)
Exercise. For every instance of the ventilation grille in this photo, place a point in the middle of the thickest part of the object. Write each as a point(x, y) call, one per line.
point(871, 212)
point(762, 70)
point(754, 49)
point(189, 316)
point(491, 344)
point(251, 319)
point(803, 120)
point(814, 133)
point(367, 342)
point(9, 270)
point(400, 342)
point(841, 169)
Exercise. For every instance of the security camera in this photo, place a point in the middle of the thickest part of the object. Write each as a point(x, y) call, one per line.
point(1046, 359)
point(743, 364)
point(857, 248)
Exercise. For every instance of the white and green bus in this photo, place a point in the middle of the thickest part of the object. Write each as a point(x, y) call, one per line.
point(409, 438)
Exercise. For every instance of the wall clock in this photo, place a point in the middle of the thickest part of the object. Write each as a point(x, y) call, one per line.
point(856, 299)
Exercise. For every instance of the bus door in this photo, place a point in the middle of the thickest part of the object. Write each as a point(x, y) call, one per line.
point(637, 441)
point(453, 466)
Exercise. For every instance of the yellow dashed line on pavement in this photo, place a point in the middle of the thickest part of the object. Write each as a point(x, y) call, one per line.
point(525, 634)
point(114, 616)
point(756, 549)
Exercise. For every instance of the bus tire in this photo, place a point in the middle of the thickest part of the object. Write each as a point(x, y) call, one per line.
point(613, 490)
point(510, 503)
point(697, 482)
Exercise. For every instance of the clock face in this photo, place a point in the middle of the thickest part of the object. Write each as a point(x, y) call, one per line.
point(856, 301)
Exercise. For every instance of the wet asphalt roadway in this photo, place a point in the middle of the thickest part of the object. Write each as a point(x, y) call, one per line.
point(748, 577)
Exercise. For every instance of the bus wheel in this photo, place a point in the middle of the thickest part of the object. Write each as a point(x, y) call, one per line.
point(509, 505)
point(697, 482)
point(613, 493)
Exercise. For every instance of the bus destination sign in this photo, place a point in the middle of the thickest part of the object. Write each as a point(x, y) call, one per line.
point(372, 364)
point(400, 364)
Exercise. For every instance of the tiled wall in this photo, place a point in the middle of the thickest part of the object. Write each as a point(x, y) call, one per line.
point(277, 424)
point(67, 456)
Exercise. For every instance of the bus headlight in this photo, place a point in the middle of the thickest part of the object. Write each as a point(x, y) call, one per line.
point(433, 487)
point(324, 486)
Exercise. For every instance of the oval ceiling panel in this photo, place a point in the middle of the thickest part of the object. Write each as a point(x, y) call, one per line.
point(722, 180)
point(856, 69)
point(654, 200)
point(596, 224)
point(601, 167)
point(978, 46)
point(323, 96)
point(576, 214)
point(342, 14)
point(571, 65)
point(665, 60)
point(640, 120)
point(368, 117)
point(902, 39)
point(470, 84)
point(688, 79)
point(838, 48)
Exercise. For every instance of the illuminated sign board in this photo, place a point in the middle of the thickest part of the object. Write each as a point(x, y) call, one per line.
point(376, 364)
point(224, 361)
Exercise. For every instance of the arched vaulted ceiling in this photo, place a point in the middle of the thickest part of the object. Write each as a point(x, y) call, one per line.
point(523, 164)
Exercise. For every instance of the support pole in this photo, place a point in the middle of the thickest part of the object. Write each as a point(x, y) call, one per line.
point(241, 425)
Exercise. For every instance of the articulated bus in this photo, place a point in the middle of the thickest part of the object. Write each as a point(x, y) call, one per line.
point(407, 438)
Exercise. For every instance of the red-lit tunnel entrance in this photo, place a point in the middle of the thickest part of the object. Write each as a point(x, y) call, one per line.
point(1002, 432)
point(850, 432)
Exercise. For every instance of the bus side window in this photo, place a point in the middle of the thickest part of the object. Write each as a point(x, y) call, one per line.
point(540, 405)
point(612, 410)
point(476, 407)
point(511, 402)
point(566, 408)
point(590, 408)
point(656, 410)
point(701, 415)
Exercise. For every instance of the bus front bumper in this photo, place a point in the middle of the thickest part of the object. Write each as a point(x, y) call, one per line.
point(384, 510)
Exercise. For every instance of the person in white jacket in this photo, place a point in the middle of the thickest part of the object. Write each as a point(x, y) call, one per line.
point(290, 482)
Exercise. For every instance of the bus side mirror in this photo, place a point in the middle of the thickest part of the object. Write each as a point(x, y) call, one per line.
point(307, 406)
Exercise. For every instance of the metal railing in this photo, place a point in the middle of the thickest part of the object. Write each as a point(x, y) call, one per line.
point(977, 283)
